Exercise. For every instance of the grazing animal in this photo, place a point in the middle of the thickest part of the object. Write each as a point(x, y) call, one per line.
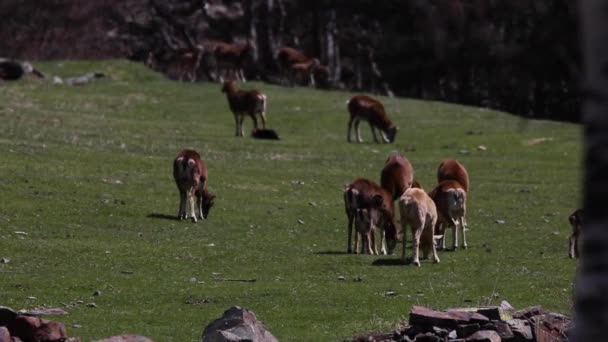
point(397, 175)
point(190, 174)
point(181, 63)
point(231, 58)
point(452, 169)
point(245, 102)
point(365, 194)
point(287, 57)
point(304, 71)
point(451, 201)
point(265, 133)
point(419, 212)
point(576, 221)
point(362, 107)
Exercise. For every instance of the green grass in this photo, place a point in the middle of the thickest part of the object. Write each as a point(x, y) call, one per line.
point(86, 173)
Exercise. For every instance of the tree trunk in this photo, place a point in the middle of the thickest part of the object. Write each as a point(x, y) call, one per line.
point(591, 301)
point(330, 49)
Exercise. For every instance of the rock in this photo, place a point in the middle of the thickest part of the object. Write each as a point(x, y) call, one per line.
point(482, 148)
point(426, 317)
point(521, 329)
point(500, 221)
point(237, 324)
point(6, 315)
point(126, 338)
point(97, 293)
point(5, 260)
point(5, 335)
point(440, 332)
point(466, 330)
point(30, 328)
point(503, 330)
point(485, 336)
point(428, 337)
point(551, 327)
point(492, 312)
point(529, 312)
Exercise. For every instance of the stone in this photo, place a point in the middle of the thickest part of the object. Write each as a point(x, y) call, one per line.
point(6, 315)
point(237, 324)
point(126, 338)
point(5, 335)
point(493, 312)
point(485, 336)
point(529, 312)
point(449, 320)
point(504, 331)
point(466, 330)
point(440, 332)
point(521, 329)
point(551, 327)
point(30, 328)
point(428, 337)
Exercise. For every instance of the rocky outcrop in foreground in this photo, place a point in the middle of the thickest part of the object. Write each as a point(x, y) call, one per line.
point(486, 324)
point(24, 326)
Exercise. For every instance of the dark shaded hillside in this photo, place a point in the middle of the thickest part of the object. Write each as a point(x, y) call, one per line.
point(517, 56)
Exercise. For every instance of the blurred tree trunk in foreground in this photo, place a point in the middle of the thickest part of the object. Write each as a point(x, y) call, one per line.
point(591, 294)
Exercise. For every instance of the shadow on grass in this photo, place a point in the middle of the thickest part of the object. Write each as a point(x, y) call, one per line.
point(332, 253)
point(390, 262)
point(163, 216)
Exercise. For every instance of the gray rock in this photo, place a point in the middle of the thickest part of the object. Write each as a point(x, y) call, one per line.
point(485, 336)
point(521, 329)
point(237, 324)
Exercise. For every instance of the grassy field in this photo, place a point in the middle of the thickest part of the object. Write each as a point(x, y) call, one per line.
point(85, 172)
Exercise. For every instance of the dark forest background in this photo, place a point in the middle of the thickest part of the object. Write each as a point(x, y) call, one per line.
point(520, 56)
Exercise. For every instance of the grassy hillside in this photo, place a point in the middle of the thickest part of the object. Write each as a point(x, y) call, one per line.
point(86, 173)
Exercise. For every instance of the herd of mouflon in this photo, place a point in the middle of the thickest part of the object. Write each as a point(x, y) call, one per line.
point(370, 207)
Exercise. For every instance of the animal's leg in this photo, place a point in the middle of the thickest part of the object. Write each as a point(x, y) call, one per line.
point(242, 125)
point(182, 205)
point(372, 234)
point(192, 204)
point(255, 119)
point(373, 132)
point(454, 226)
point(263, 117)
point(199, 199)
point(463, 229)
point(369, 242)
point(349, 229)
point(237, 125)
point(384, 138)
point(572, 247)
point(312, 80)
point(383, 250)
point(357, 122)
point(242, 75)
point(350, 125)
point(431, 233)
point(403, 230)
point(416, 242)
